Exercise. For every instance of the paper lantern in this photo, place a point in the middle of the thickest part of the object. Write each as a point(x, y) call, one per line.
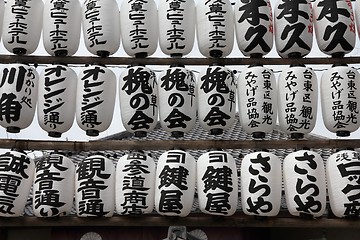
point(135, 181)
point(138, 100)
point(175, 183)
point(56, 97)
point(297, 101)
point(261, 183)
point(340, 100)
point(2, 7)
point(217, 183)
point(177, 100)
point(95, 99)
point(16, 178)
point(304, 183)
point(293, 28)
point(22, 25)
point(342, 171)
point(95, 187)
point(101, 26)
point(61, 27)
point(139, 27)
point(216, 89)
point(254, 27)
point(257, 100)
point(19, 93)
point(53, 186)
point(215, 28)
point(357, 16)
point(176, 27)
point(334, 26)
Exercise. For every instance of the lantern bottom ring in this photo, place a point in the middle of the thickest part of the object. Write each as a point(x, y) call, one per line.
point(296, 135)
point(177, 134)
point(13, 129)
point(61, 53)
point(342, 133)
point(92, 133)
point(54, 134)
point(19, 51)
point(258, 135)
point(103, 53)
point(216, 131)
point(140, 134)
point(216, 53)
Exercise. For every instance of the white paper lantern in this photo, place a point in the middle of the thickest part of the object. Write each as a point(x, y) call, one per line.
point(261, 181)
point(16, 178)
point(138, 100)
point(216, 89)
point(357, 16)
point(177, 100)
point(95, 187)
point(334, 26)
point(217, 183)
point(304, 183)
point(2, 7)
point(293, 28)
point(254, 27)
point(61, 27)
point(297, 101)
point(175, 181)
point(139, 27)
point(342, 171)
point(19, 93)
point(340, 99)
point(215, 28)
point(53, 186)
point(135, 182)
point(101, 26)
point(176, 27)
point(95, 99)
point(257, 100)
point(22, 25)
point(56, 97)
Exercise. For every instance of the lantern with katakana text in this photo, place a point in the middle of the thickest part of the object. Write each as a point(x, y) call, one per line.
point(304, 183)
point(61, 27)
point(95, 187)
point(56, 97)
point(53, 186)
point(135, 181)
point(19, 94)
point(138, 100)
point(16, 177)
point(101, 26)
point(334, 27)
point(340, 99)
point(22, 25)
point(293, 28)
point(2, 7)
point(95, 99)
point(257, 100)
point(254, 27)
point(297, 100)
point(175, 183)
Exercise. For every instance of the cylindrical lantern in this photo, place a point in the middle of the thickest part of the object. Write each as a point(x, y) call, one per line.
point(61, 27)
point(304, 183)
point(177, 100)
point(216, 90)
point(2, 7)
point(101, 26)
point(293, 28)
point(257, 100)
point(16, 178)
point(135, 182)
point(357, 16)
point(138, 100)
point(261, 184)
point(139, 27)
point(297, 101)
point(56, 97)
point(215, 27)
point(175, 183)
point(19, 93)
point(342, 169)
point(22, 25)
point(254, 27)
point(176, 27)
point(334, 26)
point(53, 186)
point(217, 183)
point(340, 99)
point(95, 99)
point(95, 187)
